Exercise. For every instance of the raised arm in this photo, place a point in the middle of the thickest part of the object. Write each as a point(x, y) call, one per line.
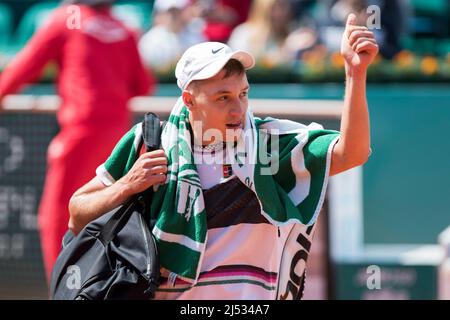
point(358, 48)
point(94, 199)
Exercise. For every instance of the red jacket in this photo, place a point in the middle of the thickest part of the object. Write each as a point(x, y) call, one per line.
point(99, 65)
point(221, 31)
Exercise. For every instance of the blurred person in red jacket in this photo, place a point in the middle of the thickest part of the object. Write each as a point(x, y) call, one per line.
point(222, 16)
point(99, 71)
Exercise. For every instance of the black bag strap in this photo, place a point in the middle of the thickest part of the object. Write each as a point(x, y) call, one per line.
point(151, 136)
point(151, 131)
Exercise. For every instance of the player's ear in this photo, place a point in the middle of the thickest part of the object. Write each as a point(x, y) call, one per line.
point(188, 99)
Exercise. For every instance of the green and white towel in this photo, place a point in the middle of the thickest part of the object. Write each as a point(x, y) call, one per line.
point(290, 187)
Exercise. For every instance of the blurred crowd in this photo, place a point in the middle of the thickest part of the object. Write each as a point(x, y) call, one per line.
point(274, 31)
point(277, 32)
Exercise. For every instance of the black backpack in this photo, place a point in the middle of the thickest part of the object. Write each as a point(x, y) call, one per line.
point(115, 256)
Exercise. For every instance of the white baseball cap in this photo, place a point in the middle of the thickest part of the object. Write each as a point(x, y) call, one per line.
point(205, 60)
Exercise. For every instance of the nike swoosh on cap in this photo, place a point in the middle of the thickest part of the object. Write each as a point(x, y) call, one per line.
point(215, 51)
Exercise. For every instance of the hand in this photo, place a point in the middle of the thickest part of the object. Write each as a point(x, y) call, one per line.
point(358, 46)
point(149, 169)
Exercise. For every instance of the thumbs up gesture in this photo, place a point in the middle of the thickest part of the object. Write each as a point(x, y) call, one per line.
point(358, 45)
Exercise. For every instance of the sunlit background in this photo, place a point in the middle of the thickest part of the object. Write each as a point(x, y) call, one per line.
point(384, 220)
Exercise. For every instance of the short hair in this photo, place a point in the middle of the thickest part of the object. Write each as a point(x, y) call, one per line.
point(232, 67)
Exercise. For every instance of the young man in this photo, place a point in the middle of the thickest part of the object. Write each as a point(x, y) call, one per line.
point(236, 227)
